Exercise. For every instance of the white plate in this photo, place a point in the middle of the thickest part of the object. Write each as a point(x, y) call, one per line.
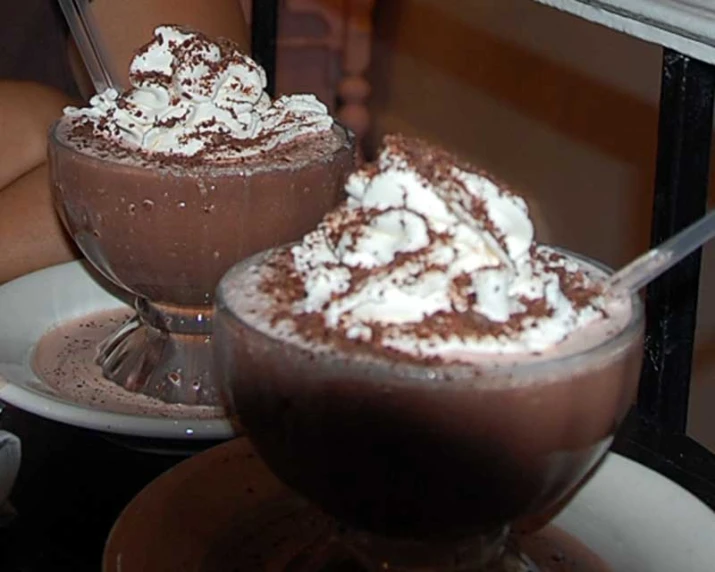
point(632, 518)
point(34, 304)
point(636, 520)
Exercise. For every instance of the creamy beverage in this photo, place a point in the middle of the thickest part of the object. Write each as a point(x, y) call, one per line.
point(64, 359)
point(420, 367)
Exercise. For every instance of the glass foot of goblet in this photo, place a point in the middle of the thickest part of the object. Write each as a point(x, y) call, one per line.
point(164, 352)
point(290, 535)
point(485, 553)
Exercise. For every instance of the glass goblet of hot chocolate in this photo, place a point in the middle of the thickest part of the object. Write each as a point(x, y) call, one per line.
point(167, 185)
point(422, 370)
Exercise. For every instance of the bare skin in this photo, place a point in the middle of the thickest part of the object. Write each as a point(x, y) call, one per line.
point(31, 236)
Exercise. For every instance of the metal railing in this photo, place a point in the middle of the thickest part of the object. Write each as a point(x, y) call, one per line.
point(655, 433)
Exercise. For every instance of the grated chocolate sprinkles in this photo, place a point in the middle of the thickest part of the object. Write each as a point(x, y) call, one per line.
point(286, 288)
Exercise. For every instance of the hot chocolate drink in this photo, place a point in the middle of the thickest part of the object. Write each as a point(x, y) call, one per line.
point(418, 366)
point(164, 187)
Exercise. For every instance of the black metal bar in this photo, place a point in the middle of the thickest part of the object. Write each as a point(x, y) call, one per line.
point(677, 457)
point(264, 31)
point(654, 433)
point(684, 140)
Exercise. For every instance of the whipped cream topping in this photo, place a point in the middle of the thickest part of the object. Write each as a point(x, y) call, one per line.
point(430, 258)
point(193, 97)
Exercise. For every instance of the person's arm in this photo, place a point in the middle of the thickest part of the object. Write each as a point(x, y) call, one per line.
point(31, 236)
point(27, 110)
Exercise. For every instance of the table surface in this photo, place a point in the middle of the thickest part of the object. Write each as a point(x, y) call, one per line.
point(72, 486)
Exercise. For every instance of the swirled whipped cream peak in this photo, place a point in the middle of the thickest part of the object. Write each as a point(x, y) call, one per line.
point(198, 98)
point(431, 258)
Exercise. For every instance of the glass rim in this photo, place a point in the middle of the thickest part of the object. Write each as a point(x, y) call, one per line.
point(215, 168)
point(448, 371)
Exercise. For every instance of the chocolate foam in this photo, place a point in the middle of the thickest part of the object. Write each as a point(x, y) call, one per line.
point(303, 151)
point(65, 360)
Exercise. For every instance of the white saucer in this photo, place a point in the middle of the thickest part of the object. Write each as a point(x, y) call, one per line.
point(636, 520)
point(34, 304)
point(632, 518)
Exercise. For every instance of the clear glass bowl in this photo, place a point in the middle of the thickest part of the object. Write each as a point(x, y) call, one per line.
point(167, 233)
point(423, 459)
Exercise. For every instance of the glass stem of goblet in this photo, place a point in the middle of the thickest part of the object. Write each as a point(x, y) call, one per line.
point(488, 552)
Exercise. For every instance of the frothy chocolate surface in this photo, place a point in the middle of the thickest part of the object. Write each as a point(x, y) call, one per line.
point(64, 360)
point(302, 151)
point(270, 293)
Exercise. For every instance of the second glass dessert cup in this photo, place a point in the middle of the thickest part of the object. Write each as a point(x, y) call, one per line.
point(166, 233)
point(428, 466)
